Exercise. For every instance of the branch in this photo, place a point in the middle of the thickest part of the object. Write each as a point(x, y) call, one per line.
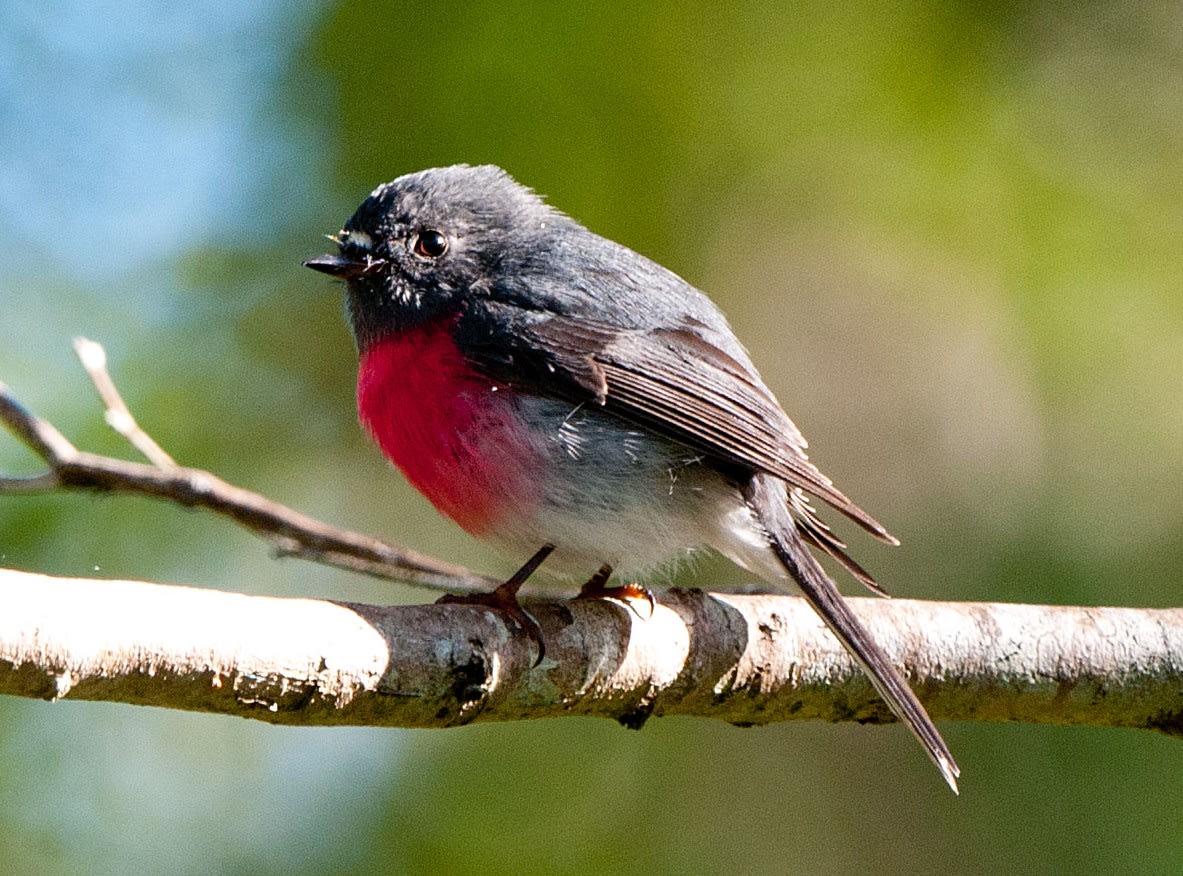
point(737, 658)
point(290, 532)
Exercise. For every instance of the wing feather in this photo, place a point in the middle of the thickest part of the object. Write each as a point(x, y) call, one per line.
point(691, 389)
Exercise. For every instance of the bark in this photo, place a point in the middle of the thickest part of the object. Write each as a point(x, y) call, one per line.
point(745, 659)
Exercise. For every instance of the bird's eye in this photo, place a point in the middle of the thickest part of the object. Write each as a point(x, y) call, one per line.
point(429, 243)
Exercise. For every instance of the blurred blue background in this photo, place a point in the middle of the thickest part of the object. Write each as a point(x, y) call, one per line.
point(949, 234)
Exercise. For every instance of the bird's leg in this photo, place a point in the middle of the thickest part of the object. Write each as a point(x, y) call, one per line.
point(505, 599)
point(629, 594)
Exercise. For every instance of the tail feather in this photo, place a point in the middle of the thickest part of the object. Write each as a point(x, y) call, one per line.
point(815, 532)
point(767, 500)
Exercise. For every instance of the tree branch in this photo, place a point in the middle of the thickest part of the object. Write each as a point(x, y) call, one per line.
point(738, 658)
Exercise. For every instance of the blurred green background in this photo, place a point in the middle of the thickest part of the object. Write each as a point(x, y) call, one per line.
point(951, 234)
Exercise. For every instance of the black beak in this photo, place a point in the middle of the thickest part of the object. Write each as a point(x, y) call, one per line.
point(342, 267)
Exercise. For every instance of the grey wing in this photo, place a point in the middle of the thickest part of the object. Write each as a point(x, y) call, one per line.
point(682, 382)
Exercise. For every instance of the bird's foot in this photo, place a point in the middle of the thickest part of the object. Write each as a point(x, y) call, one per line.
point(630, 594)
point(505, 600)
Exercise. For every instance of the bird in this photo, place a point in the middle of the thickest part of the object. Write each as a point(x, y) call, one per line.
point(569, 400)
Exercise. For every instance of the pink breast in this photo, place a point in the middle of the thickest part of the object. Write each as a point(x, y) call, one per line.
point(455, 434)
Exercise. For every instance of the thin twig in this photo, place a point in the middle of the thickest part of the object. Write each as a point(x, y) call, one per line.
point(41, 483)
point(290, 532)
point(94, 359)
point(36, 434)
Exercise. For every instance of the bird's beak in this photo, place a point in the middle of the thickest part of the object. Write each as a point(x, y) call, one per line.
point(342, 267)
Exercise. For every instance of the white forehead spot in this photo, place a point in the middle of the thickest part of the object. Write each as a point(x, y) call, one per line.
point(359, 239)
